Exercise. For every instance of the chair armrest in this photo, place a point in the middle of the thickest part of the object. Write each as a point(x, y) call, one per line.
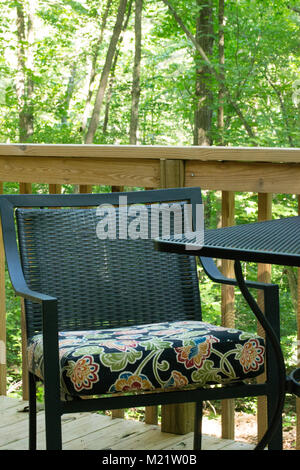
point(13, 259)
point(49, 328)
point(215, 275)
point(34, 296)
point(19, 283)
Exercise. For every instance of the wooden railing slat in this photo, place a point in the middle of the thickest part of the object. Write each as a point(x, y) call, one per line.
point(178, 418)
point(263, 275)
point(228, 309)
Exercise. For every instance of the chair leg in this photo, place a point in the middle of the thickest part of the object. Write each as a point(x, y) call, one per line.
point(32, 412)
point(276, 443)
point(271, 307)
point(52, 416)
point(198, 426)
point(53, 428)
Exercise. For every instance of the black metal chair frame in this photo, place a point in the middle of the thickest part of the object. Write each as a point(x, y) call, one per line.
point(54, 407)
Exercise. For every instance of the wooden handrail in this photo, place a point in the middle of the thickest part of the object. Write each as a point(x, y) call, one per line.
point(242, 154)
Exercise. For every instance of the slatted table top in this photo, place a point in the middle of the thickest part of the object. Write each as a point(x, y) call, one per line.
point(273, 241)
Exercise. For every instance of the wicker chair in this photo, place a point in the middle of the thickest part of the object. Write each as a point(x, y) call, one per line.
point(115, 320)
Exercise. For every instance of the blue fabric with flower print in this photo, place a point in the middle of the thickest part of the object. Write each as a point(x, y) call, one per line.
point(148, 357)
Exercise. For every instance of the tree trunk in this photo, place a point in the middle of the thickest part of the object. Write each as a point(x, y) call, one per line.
point(69, 93)
point(92, 77)
point(203, 93)
point(293, 284)
point(24, 77)
point(284, 113)
point(112, 71)
point(107, 104)
point(213, 70)
point(221, 94)
point(105, 74)
point(136, 90)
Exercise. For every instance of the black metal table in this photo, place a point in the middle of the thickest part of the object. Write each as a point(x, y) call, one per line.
point(270, 242)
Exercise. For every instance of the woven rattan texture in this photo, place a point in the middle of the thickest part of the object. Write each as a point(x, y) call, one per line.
point(101, 283)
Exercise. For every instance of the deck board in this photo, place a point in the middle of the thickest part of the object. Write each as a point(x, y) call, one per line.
point(93, 431)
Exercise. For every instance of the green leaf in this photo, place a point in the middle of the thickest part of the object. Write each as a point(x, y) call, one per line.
point(118, 361)
point(155, 344)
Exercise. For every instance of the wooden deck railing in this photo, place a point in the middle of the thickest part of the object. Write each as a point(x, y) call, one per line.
point(264, 171)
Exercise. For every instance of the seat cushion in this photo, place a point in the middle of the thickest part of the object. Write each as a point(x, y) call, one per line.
point(148, 357)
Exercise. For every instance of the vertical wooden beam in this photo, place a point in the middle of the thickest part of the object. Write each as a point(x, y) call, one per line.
point(85, 188)
point(228, 310)
point(25, 188)
point(117, 189)
point(171, 173)
point(54, 188)
point(263, 275)
point(151, 415)
point(117, 413)
point(2, 314)
point(178, 418)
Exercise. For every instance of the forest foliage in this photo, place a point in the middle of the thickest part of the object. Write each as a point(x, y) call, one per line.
point(155, 72)
point(55, 54)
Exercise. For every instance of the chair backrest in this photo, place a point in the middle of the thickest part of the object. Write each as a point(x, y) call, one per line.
point(101, 276)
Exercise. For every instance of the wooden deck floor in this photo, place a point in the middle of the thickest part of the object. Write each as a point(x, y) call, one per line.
point(92, 431)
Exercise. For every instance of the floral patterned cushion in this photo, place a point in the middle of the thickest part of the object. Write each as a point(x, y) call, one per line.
point(149, 357)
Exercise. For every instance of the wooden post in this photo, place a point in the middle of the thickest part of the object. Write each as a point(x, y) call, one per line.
point(151, 415)
point(85, 188)
point(54, 188)
point(178, 418)
point(117, 189)
point(263, 275)
point(228, 310)
point(171, 173)
point(117, 413)
point(2, 314)
point(25, 188)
